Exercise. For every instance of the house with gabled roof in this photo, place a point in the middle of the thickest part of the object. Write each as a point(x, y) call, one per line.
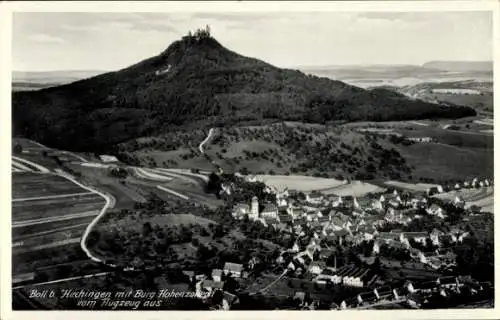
point(385, 292)
point(270, 211)
point(205, 288)
point(217, 274)
point(436, 210)
point(389, 236)
point(284, 218)
point(419, 201)
point(314, 198)
point(420, 237)
point(337, 202)
point(316, 267)
point(233, 269)
point(297, 212)
point(367, 297)
point(422, 287)
point(450, 282)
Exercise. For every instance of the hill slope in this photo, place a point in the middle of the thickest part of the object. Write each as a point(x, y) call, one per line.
point(198, 82)
point(458, 66)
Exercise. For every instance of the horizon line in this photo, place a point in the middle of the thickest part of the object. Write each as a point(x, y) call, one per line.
point(286, 67)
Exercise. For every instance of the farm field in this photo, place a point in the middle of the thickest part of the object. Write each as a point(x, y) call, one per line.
point(47, 162)
point(50, 214)
point(299, 183)
point(355, 188)
point(45, 208)
point(32, 231)
point(420, 187)
point(28, 184)
point(447, 162)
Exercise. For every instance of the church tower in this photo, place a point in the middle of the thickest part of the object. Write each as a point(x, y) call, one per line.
point(254, 211)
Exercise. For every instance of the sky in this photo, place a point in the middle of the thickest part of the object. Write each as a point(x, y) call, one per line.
point(48, 41)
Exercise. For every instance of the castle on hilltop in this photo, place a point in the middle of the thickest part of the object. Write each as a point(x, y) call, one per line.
point(199, 34)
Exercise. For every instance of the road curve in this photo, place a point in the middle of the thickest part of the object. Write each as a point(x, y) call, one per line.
point(109, 204)
point(210, 133)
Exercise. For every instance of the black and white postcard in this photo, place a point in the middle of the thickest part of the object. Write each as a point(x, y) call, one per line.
point(236, 156)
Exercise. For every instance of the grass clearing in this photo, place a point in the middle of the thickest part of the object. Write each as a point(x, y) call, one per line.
point(446, 162)
point(355, 188)
point(421, 187)
point(298, 182)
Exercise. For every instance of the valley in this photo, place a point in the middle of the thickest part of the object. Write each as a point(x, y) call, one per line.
point(203, 170)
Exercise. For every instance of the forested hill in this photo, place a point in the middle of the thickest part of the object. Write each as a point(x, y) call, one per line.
point(197, 80)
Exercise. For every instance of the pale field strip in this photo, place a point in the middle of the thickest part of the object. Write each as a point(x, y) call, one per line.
point(184, 174)
point(20, 166)
point(48, 245)
point(96, 165)
point(411, 186)
point(355, 188)
point(419, 123)
point(325, 185)
point(298, 182)
point(37, 166)
point(41, 233)
point(25, 223)
point(56, 196)
point(75, 155)
point(173, 192)
point(151, 174)
point(487, 122)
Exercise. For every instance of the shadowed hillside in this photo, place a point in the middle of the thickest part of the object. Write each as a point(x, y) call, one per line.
point(198, 82)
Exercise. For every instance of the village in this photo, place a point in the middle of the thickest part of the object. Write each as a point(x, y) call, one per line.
point(395, 266)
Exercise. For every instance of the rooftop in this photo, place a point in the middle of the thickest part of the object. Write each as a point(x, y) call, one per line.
point(212, 284)
point(270, 208)
point(233, 267)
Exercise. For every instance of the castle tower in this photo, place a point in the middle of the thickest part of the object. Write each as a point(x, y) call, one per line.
point(254, 212)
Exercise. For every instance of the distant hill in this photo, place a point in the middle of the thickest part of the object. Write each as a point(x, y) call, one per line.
point(34, 80)
point(198, 82)
point(53, 76)
point(460, 66)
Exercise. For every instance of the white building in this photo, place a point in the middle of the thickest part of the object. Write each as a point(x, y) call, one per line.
point(314, 198)
point(107, 159)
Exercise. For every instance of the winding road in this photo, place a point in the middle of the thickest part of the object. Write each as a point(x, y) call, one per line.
point(210, 134)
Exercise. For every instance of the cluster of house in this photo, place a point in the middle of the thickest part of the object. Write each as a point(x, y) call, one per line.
point(473, 184)
point(414, 294)
point(206, 287)
point(337, 219)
